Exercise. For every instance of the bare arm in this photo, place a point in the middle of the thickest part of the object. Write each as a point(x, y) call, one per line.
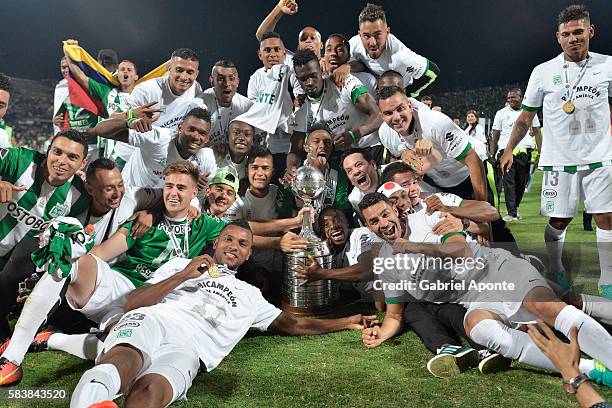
point(537, 133)
point(519, 130)
point(475, 210)
point(354, 273)
point(357, 66)
point(392, 325)
point(269, 23)
point(474, 164)
point(112, 247)
point(367, 104)
point(77, 73)
point(297, 146)
point(293, 326)
point(114, 128)
point(494, 142)
point(455, 247)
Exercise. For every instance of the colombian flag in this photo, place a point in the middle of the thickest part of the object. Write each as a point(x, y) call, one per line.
point(95, 71)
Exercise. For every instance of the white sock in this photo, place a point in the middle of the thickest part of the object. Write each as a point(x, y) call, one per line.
point(554, 239)
point(101, 383)
point(86, 346)
point(594, 340)
point(46, 293)
point(510, 343)
point(598, 307)
point(604, 248)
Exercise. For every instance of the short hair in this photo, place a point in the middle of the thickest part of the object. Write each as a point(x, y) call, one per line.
point(100, 163)
point(303, 57)
point(396, 167)
point(129, 61)
point(258, 151)
point(573, 12)
point(354, 150)
point(223, 64)
point(269, 34)
point(199, 113)
point(516, 90)
point(183, 167)
point(185, 53)
point(75, 136)
point(345, 42)
point(426, 98)
point(238, 223)
point(316, 31)
point(372, 12)
point(335, 209)
point(5, 83)
point(371, 199)
point(391, 73)
point(389, 91)
point(319, 125)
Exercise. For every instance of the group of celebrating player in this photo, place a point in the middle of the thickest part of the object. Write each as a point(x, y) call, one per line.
point(171, 241)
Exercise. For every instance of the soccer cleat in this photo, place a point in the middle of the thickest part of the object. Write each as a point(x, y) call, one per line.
point(104, 404)
point(493, 363)
point(4, 346)
point(452, 360)
point(600, 374)
point(606, 291)
point(40, 341)
point(10, 374)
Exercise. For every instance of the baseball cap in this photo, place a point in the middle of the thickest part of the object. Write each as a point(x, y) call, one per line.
point(389, 188)
point(226, 176)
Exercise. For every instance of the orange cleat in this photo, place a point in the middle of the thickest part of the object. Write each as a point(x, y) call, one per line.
point(10, 374)
point(40, 341)
point(104, 404)
point(4, 346)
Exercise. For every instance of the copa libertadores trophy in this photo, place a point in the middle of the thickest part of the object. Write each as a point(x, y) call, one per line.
point(314, 298)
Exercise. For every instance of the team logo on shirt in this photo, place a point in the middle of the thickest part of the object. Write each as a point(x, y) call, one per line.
point(557, 80)
point(449, 136)
point(3, 153)
point(59, 210)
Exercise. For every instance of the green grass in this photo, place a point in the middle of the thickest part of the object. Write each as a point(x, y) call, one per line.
point(337, 371)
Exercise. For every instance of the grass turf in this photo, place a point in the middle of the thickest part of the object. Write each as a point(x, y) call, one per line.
point(335, 370)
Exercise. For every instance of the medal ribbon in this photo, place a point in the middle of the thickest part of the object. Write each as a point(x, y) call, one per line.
point(569, 91)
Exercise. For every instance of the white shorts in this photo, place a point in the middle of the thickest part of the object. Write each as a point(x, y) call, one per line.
point(563, 191)
point(164, 351)
point(507, 304)
point(106, 303)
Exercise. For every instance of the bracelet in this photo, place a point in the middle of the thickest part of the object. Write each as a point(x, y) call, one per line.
point(130, 114)
point(130, 121)
point(350, 132)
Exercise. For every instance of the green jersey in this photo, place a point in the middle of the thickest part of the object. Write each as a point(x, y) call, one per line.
point(78, 118)
point(31, 210)
point(163, 242)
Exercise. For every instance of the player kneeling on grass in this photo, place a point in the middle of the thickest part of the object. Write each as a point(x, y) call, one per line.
point(525, 296)
point(190, 311)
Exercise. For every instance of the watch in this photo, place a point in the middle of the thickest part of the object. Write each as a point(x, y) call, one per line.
point(571, 386)
point(466, 223)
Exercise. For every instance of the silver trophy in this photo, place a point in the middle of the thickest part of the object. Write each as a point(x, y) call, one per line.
point(315, 298)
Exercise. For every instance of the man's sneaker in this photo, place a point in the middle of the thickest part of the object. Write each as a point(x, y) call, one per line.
point(491, 362)
point(562, 280)
point(10, 374)
point(600, 374)
point(40, 341)
point(104, 404)
point(518, 216)
point(452, 360)
point(509, 217)
point(606, 291)
point(4, 346)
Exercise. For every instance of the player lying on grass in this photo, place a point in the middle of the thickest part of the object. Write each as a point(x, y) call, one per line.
point(190, 311)
point(98, 291)
point(525, 296)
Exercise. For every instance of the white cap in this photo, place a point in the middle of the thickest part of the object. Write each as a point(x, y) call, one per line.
point(389, 188)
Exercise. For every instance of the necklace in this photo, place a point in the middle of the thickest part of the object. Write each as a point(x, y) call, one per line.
point(321, 99)
point(229, 119)
point(569, 107)
point(180, 252)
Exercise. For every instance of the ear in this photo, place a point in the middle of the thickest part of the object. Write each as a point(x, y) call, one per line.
point(558, 37)
point(210, 80)
point(84, 164)
point(249, 254)
point(215, 243)
point(89, 188)
point(591, 31)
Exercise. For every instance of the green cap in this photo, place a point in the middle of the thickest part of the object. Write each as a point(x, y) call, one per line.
point(225, 176)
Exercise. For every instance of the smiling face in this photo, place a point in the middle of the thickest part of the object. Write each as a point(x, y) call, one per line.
point(397, 112)
point(233, 246)
point(106, 190)
point(360, 173)
point(271, 52)
point(574, 37)
point(471, 119)
point(402, 204)
point(225, 83)
point(182, 73)
point(240, 138)
point(64, 158)
point(310, 78)
point(410, 184)
point(179, 190)
point(382, 219)
point(335, 227)
point(194, 133)
point(260, 172)
point(220, 198)
point(64, 69)
point(336, 52)
point(127, 74)
point(319, 143)
point(373, 36)
point(310, 39)
point(514, 99)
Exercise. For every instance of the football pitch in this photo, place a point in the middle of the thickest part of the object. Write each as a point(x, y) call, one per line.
point(335, 370)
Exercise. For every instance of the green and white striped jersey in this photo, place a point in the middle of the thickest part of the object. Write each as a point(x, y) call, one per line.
point(31, 210)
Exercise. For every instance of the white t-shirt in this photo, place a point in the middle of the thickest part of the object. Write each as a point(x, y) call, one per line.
point(396, 57)
point(295, 84)
point(446, 137)
point(175, 107)
point(4, 139)
point(504, 121)
point(355, 198)
point(59, 96)
point(421, 225)
point(260, 208)
point(477, 133)
point(221, 116)
point(581, 138)
point(213, 313)
point(337, 108)
point(157, 149)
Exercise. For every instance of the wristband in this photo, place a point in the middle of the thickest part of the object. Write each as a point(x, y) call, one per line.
point(350, 132)
point(130, 121)
point(130, 114)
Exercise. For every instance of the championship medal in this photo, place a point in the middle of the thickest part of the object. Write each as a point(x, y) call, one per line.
point(214, 271)
point(569, 107)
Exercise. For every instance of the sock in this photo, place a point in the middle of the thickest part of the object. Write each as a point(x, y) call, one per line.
point(586, 366)
point(510, 343)
point(554, 246)
point(86, 346)
point(594, 340)
point(40, 302)
point(604, 248)
point(598, 307)
point(101, 383)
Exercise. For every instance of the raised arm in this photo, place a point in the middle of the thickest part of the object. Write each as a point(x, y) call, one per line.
point(366, 104)
point(430, 75)
point(77, 73)
point(288, 7)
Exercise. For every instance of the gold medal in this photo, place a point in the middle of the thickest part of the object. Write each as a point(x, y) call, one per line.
point(569, 107)
point(214, 271)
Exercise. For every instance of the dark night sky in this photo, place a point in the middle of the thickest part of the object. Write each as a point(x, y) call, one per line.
point(474, 43)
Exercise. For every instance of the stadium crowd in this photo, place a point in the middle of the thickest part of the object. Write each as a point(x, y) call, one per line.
point(148, 233)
